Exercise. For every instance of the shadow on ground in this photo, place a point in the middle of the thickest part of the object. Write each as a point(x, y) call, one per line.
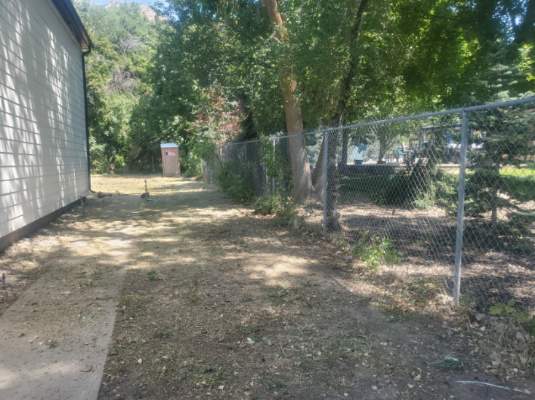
point(218, 303)
point(223, 304)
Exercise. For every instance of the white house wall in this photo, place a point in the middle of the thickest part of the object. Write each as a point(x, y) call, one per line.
point(43, 156)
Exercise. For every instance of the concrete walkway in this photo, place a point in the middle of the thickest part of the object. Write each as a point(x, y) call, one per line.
point(54, 339)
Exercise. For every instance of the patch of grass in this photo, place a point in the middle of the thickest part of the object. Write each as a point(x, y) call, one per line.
point(194, 295)
point(401, 189)
point(529, 325)
point(526, 171)
point(423, 290)
point(512, 311)
point(268, 205)
point(283, 207)
point(208, 376)
point(450, 363)
point(278, 295)
point(519, 181)
point(152, 276)
point(253, 332)
point(341, 242)
point(396, 311)
point(372, 186)
point(375, 250)
point(426, 201)
point(351, 345)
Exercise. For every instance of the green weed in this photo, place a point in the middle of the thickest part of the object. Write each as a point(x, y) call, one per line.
point(374, 251)
point(281, 206)
point(511, 310)
point(152, 276)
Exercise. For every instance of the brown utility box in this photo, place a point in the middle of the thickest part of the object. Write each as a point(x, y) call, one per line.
point(170, 159)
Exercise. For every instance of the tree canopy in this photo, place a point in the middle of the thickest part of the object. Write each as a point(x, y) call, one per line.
point(210, 70)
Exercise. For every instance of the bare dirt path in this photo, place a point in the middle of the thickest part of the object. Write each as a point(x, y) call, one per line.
point(223, 304)
point(211, 302)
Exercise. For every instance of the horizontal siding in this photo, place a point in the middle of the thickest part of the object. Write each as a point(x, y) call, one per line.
point(38, 197)
point(43, 158)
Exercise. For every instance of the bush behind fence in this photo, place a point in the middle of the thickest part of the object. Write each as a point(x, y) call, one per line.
point(448, 194)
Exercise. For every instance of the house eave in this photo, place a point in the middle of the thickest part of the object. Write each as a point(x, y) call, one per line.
point(73, 21)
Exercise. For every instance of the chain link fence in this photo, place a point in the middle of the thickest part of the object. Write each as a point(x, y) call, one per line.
point(449, 195)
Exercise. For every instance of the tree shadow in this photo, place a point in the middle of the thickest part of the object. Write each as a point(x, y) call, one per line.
point(222, 298)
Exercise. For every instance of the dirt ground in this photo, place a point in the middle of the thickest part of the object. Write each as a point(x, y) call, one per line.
point(59, 302)
point(219, 303)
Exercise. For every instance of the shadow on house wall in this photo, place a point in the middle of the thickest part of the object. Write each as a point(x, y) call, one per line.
point(43, 158)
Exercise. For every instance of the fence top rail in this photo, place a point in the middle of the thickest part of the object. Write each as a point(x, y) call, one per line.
point(403, 118)
point(461, 110)
point(425, 115)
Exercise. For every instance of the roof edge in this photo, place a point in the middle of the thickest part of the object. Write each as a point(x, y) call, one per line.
point(73, 21)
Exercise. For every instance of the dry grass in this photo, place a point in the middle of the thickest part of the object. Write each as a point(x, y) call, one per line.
point(225, 304)
point(219, 303)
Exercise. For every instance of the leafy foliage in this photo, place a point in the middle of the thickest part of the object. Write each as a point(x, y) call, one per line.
point(375, 251)
point(279, 205)
point(123, 45)
point(236, 181)
point(506, 139)
point(208, 70)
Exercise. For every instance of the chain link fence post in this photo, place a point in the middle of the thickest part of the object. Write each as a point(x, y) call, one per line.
point(325, 177)
point(273, 162)
point(460, 211)
point(266, 186)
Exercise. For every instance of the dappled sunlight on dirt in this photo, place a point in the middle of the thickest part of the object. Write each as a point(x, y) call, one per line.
point(219, 303)
point(222, 304)
point(281, 272)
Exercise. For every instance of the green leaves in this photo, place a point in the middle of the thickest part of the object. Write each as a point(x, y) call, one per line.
point(124, 39)
point(209, 69)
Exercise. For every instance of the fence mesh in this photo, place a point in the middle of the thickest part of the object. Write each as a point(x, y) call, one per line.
point(448, 195)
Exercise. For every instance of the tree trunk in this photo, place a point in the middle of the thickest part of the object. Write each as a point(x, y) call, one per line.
point(494, 209)
point(382, 151)
point(332, 223)
point(526, 30)
point(350, 76)
point(301, 177)
point(345, 86)
point(337, 119)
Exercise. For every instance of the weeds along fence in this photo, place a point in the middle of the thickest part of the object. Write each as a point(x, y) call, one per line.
point(448, 194)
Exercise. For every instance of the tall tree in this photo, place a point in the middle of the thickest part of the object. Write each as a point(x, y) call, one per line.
point(124, 38)
point(301, 178)
point(332, 223)
point(299, 64)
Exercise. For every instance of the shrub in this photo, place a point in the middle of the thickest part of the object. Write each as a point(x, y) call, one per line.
point(446, 194)
point(281, 206)
point(403, 189)
point(191, 165)
point(237, 181)
point(375, 251)
point(194, 153)
point(371, 185)
point(267, 205)
point(397, 190)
